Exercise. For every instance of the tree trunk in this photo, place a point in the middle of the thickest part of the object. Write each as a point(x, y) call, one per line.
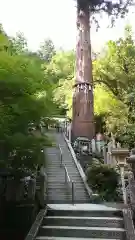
point(83, 116)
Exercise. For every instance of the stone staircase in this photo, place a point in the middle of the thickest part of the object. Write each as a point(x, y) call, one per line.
point(93, 222)
point(61, 220)
point(58, 189)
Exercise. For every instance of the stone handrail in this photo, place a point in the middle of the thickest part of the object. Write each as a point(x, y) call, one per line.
point(131, 182)
point(35, 227)
point(15, 190)
point(128, 223)
point(127, 211)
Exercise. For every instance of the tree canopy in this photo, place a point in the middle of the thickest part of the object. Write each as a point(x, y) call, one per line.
point(47, 50)
point(109, 6)
point(115, 71)
point(25, 98)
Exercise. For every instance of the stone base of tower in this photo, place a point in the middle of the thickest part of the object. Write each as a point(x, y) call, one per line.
point(83, 129)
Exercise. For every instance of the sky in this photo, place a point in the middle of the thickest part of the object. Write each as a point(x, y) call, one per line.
point(55, 19)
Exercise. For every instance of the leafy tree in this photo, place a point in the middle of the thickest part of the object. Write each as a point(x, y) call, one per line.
point(61, 69)
point(18, 44)
point(4, 40)
point(47, 50)
point(114, 8)
point(115, 70)
point(24, 99)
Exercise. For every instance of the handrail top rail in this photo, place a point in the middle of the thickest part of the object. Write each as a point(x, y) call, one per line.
point(67, 174)
point(59, 146)
point(64, 166)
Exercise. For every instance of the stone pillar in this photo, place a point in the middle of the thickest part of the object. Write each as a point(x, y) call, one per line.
point(83, 116)
point(131, 161)
point(120, 155)
point(131, 177)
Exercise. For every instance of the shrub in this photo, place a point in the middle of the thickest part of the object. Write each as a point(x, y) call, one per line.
point(103, 180)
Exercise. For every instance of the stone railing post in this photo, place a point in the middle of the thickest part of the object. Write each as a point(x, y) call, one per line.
point(131, 177)
point(31, 189)
point(122, 158)
point(20, 192)
point(41, 186)
point(131, 161)
point(120, 155)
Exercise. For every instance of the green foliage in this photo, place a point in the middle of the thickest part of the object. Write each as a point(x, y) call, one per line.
point(103, 180)
point(110, 6)
point(115, 68)
point(18, 44)
point(115, 71)
point(25, 97)
point(47, 50)
point(100, 125)
point(113, 9)
point(62, 69)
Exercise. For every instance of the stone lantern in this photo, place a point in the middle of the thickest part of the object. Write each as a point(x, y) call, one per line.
point(120, 155)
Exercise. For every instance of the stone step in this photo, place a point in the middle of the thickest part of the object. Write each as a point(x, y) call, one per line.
point(63, 184)
point(61, 180)
point(53, 164)
point(78, 192)
point(84, 221)
point(58, 189)
point(62, 192)
point(85, 213)
point(54, 197)
point(70, 238)
point(54, 173)
point(87, 232)
point(59, 197)
point(67, 198)
point(52, 169)
point(61, 176)
point(57, 185)
point(51, 181)
point(60, 201)
point(51, 186)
